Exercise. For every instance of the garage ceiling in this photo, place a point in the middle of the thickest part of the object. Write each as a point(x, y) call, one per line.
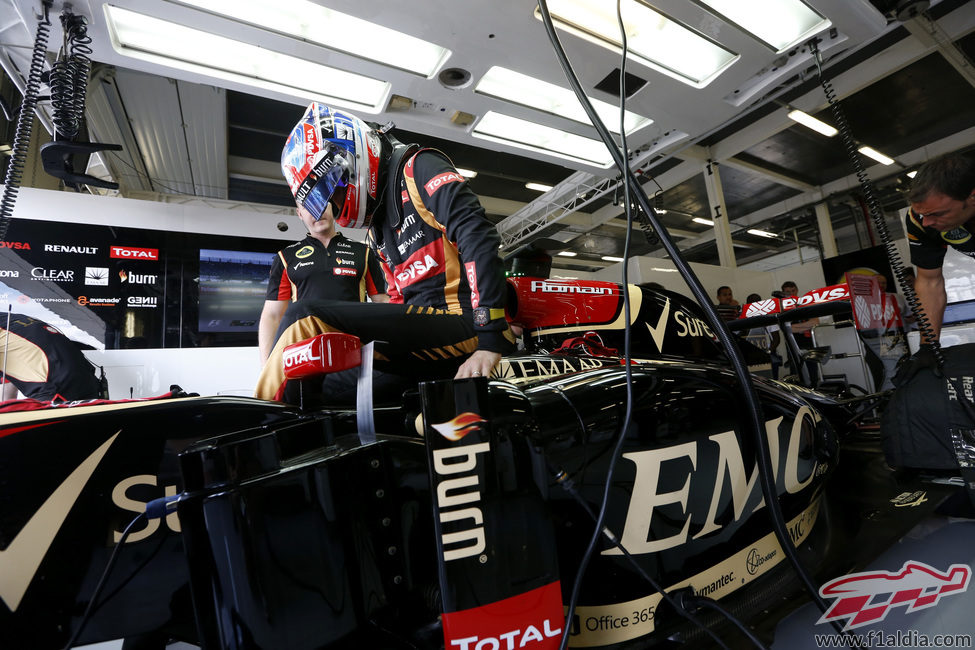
point(902, 69)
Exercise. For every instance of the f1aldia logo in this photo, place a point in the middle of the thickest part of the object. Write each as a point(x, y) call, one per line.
point(868, 597)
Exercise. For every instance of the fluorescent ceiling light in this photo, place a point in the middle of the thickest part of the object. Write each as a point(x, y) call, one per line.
point(761, 233)
point(538, 137)
point(780, 24)
point(538, 187)
point(567, 254)
point(811, 122)
point(706, 222)
point(534, 93)
point(170, 44)
point(466, 173)
point(876, 155)
point(654, 268)
point(308, 21)
point(912, 173)
point(609, 258)
point(652, 38)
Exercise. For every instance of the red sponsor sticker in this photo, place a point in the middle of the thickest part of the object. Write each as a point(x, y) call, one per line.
point(531, 620)
point(471, 269)
point(128, 253)
point(426, 262)
point(440, 180)
point(341, 270)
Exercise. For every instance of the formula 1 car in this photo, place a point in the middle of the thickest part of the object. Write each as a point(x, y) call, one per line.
point(458, 519)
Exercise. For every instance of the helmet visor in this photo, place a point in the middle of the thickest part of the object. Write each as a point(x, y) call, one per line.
point(327, 181)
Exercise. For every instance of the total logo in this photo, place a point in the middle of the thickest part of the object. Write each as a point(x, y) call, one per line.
point(128, 253)
point(52, 275)
point(142, 301)
point(137, 278)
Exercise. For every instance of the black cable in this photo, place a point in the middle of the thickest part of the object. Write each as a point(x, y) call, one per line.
point(563, 479)
point(25, 121)
point(69, 76)
point(140, 518)
point(625, 425)
point(710, 603)
point(718, 326)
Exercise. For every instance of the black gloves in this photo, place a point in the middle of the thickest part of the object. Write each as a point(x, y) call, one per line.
point(923, 358)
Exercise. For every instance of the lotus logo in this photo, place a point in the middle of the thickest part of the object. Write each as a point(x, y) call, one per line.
point(460, 426)
point(916, 585)
point(761, 308)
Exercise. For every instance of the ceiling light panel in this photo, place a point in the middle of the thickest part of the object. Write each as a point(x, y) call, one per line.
point(870, 152)
point(159, 41)
point(534, 93)
point(523, 134)
point(305, 20)
point(811, 122)
point(780, 24)
point(653, 39)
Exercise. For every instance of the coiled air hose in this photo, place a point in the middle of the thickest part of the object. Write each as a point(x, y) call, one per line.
point(25, 121)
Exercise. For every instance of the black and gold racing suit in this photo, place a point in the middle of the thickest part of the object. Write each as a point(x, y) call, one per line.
point(440, 257)
point(43, 363)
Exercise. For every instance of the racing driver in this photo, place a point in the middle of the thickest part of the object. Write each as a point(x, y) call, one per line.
point(437, 249)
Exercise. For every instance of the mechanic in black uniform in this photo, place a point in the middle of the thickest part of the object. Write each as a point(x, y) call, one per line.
point(43, 363)
point(437, 248)
point(942, 214)
point(325, 265)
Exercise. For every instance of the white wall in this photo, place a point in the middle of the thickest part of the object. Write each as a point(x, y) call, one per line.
point(654, 269)
point(149, 372)
point(207, 371)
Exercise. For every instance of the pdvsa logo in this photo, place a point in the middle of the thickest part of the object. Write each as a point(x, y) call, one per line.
point(128, 253)
point(142, 301)
point(340, 270)
point(52, 275)
point(16, 245)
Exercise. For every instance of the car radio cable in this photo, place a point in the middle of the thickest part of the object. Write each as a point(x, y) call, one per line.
point(155, 509)
point(752, 407)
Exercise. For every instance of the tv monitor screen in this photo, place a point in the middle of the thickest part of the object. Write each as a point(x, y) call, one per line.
point(232, 289)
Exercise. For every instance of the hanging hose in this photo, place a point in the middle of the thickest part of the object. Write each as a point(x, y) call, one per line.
point(962, 448)
point(69, 76)
point(873, 206)
point(25, 121)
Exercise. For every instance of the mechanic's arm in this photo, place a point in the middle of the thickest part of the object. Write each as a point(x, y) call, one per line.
point(271, 317)
point(374, 278)
point(930, 289)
